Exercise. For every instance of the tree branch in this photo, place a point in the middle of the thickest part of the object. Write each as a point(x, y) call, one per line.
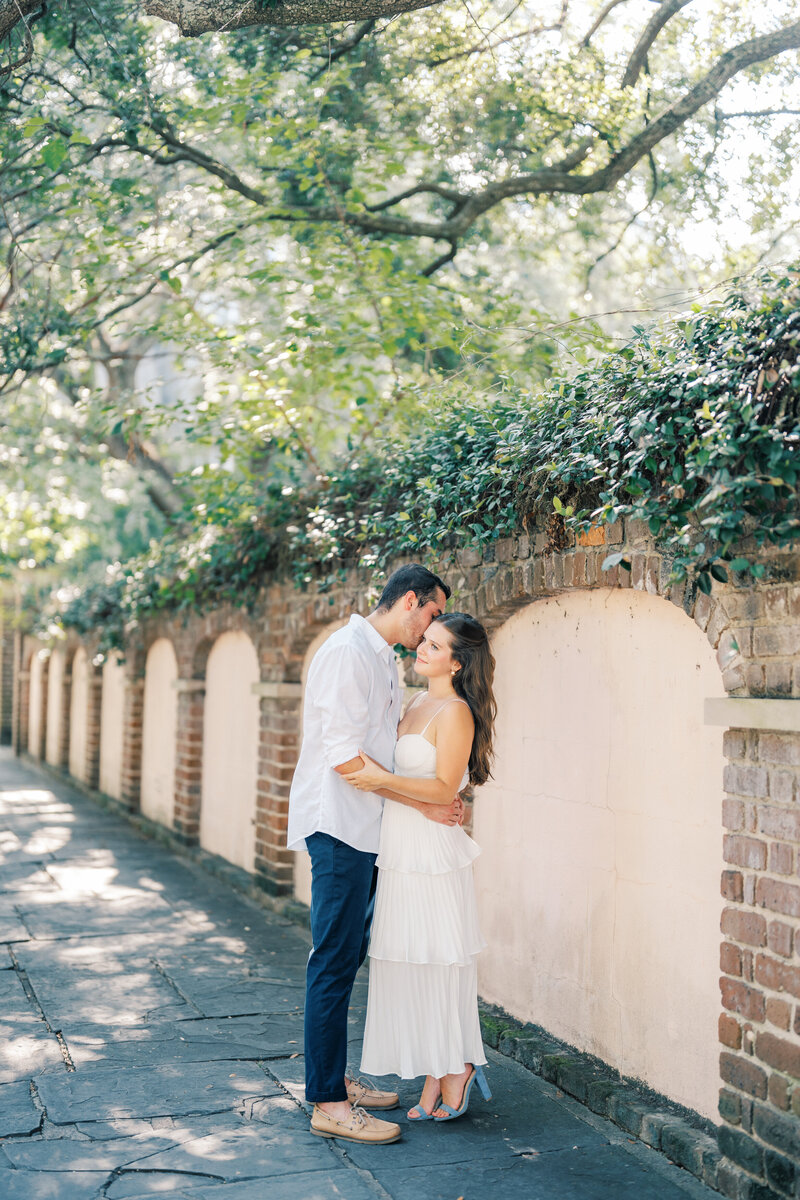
point(337, 50)
point(604, 12)
point(36, 12)
point(195, 17)
point(652, 29)
point(557, 179)
point(14, 11)
point(433, 267)
point(757, 112)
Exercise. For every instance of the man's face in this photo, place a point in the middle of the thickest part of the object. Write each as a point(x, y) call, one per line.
point(419, 616)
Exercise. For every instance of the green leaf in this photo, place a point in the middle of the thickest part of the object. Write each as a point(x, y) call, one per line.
point(54, 153)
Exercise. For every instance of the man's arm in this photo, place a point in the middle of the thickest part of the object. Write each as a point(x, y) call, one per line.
point(451, 813)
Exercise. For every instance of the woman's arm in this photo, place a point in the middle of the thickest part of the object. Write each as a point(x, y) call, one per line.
point(454, 736)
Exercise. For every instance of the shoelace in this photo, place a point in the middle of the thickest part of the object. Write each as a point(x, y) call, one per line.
point(361, 1081)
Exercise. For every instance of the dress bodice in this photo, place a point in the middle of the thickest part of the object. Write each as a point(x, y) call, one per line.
point(410, 841)
point(415, 757)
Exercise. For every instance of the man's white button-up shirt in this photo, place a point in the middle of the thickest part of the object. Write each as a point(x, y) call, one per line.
point(352, 701)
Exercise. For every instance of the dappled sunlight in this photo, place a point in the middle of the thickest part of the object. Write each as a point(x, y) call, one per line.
point(99, 881)
point(27, 802)
point(42, 841)
point(47, 839)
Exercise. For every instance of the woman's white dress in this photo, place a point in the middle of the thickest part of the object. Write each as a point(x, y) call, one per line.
point(422, 1007)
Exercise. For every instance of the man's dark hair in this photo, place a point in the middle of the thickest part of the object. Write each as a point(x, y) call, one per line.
point(412, 578)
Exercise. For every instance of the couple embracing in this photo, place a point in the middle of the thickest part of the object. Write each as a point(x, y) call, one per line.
point(369, 827)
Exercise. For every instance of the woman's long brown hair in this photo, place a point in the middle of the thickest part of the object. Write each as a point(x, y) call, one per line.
point(473, 683)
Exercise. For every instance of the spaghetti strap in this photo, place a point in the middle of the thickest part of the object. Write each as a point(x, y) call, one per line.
point(454, 700)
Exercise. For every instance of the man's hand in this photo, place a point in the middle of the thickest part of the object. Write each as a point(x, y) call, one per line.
point(445, 814)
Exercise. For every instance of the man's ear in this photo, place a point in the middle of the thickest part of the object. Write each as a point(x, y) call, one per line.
point(410, 601)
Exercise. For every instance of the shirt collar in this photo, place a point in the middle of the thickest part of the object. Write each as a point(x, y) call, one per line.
point(378, 643)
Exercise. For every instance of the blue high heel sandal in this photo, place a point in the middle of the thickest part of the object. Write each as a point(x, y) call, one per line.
point(452, 1113)
point(422, 1115)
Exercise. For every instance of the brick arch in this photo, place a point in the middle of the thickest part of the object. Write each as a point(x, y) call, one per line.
point(500, 589)
point(193, 652)
point(314, 613)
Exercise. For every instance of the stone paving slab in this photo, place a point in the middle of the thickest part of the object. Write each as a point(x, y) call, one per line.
point(217, 1039)
point(18, 878)
point(64, 1185)
point(331, 1184)
point(18, 1113)
point(602, 1173)
point(153, 1091)
point(27, 1048)
point(12, 927)
point(151, 1021)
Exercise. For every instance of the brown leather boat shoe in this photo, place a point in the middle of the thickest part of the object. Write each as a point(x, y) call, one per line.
point(362, 1093)
point(360, 1127)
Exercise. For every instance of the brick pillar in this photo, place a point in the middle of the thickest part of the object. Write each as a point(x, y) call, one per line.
point(39, 751)
point(189, 758)
point(94, 703)
point(279, 746)
point(62, 754)
point(133, 707)
point(760, 957)
point(6, 676)
point(22, 705)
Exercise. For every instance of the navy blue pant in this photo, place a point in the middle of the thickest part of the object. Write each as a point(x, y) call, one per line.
point(342, 901)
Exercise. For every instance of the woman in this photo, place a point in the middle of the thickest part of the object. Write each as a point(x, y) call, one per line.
point(422, 1010)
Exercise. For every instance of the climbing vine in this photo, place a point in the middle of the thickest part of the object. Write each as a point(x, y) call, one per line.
point(693, 427)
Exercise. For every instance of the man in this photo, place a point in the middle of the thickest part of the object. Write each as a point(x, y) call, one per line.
point(352, 701)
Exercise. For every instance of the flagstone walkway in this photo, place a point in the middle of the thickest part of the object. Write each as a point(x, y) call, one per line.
point(151, 1045)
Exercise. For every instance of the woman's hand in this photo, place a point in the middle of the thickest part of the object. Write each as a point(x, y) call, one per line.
point(371, 776)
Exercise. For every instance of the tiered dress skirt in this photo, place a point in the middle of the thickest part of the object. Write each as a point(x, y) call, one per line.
point(422, 1010)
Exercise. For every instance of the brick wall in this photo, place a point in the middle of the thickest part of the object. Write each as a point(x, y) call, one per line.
point(760, 954)
point(754, 629)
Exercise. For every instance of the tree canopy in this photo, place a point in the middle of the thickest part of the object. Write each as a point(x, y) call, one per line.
point(325, 234)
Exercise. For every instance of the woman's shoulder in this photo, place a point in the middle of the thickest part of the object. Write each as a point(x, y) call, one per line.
point(456, 713)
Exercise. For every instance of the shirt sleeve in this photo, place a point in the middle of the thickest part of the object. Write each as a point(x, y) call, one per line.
point(340, 691)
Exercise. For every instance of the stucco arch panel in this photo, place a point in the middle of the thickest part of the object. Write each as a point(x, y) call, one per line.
point(603, 823)
point(230, 750)
point(78, 714)
point(35, 701)
point(112, 712)
point(159, 728)
point(55, 695)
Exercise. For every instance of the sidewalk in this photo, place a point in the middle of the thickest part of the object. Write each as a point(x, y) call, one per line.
point(151, 1045)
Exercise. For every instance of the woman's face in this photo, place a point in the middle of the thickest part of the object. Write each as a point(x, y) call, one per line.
point(434, 653)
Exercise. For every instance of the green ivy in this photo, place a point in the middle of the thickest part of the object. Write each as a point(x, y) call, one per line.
point(693, 427)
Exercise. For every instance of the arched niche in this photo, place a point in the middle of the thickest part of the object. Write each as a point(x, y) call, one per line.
point(35, 704)
point(78, 714)
point(230, 750)
point(55, 699)
point(599, 878)
point(159, 728)
point(112, 710)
